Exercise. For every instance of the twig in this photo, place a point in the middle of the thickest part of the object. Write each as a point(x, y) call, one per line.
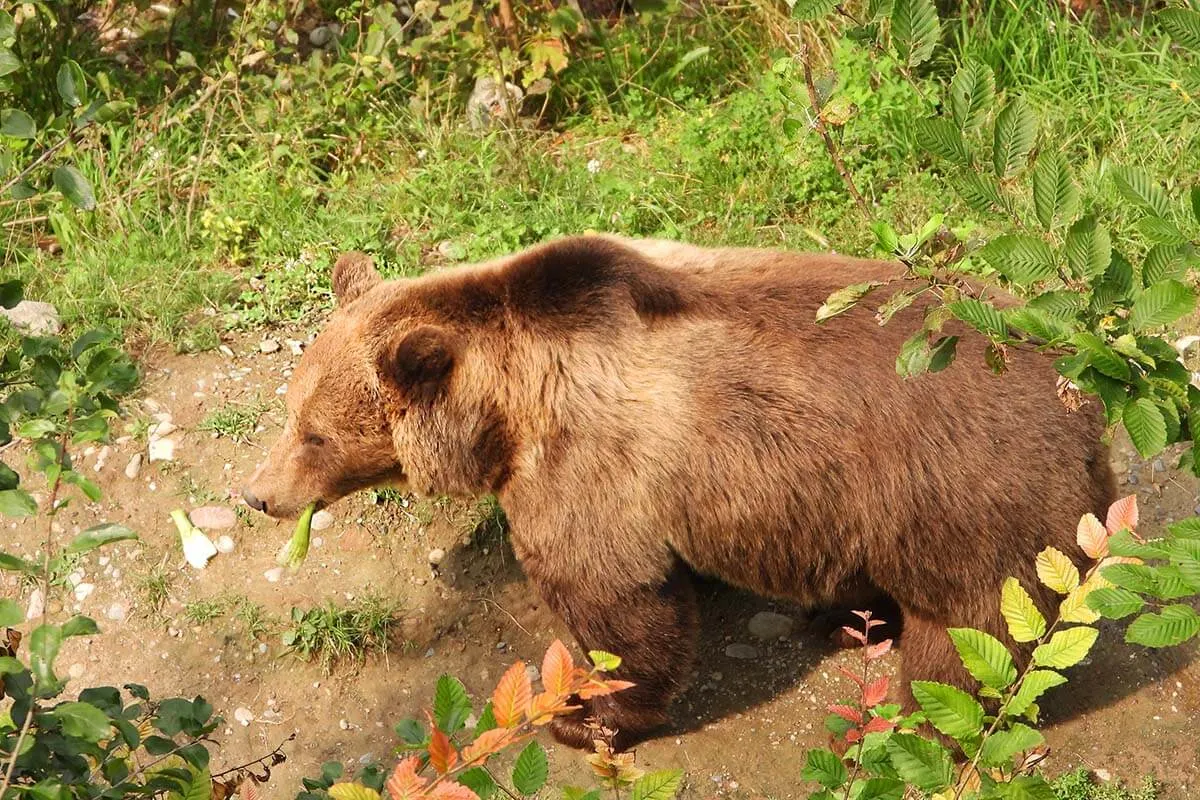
point(819, 124)
point(43, 158)
point(277, 751)
point(510, 616)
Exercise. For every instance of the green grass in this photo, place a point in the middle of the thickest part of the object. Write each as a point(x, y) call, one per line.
point(234, 420)
point(331, 634)
point(152, 590)
point(1079, 785)
point(206, 611)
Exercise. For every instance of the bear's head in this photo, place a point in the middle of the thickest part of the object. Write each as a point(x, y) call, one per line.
point(387, 394)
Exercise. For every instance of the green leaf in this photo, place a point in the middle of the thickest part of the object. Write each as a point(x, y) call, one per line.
point(1162, 262)
point(530, 770)
point(1161, 304)
point(941, 137)
point(9, 63)
point(82, 721)
point(1066, 648)
point(1054, 194)
point(1025, 787)
point(1089, 249)
point(914, 355)
point(98, 536)
point(16, 123)
point(72, 86)
point(952, 711)
point(1025, 622)
point(915, 30)
point(1036, 323)
point(1196, 202)
point(1035, 684)
point(1021, 259)
point(971, 94)
point(412, 732)
point(825, 768)
point(604, 661)
point(844, 299)
point(1146, 426)
point(17, 503)
point(74, 187)
point(1183, 25)
point(942, 352)
point(872, 789)
point(980, 192)
point(1172, 626)
point(451, 706)
point(922, 763)
point(813, 9)
point(13, 563)
point(1099, 355)
point(1161, 231)
point(1114, 602)
point(1142, 191)
point(479, 781)
point(983, 317)
point(660, 785)
point(10, 613)
point(44, 644)
point(11, 293)
point(79, 625)
point(1013, 137)
point(985, 657)
point(1001, 746)
point(199, 787)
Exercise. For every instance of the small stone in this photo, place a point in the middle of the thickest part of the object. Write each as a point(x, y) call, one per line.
point(243, 715)
point(162, 450)
point(30, 316)
point(1104, 775)
point(213, 517)
point(83, 591)
point(429, 653)
point(224, 544)
point(533, 672)
point(1159, 465)
point(134, 466)
point(117, 612)
point(500, 646)
point(273, 575)
point(262, 647)
point(225, 350)
point(769, 625)
point(741, 651)
point(321, 520)
point(320, 36)
point(271, 717)
point(269, 346)
point(296, 347)
point(343, 724)
point(318, 541)
point(163, 429)
point(436, 556)
point(37, 604)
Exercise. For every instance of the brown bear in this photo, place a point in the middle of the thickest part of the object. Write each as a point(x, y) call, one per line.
point(646, 411)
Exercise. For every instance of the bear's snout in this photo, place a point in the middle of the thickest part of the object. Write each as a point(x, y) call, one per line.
point(253, 501)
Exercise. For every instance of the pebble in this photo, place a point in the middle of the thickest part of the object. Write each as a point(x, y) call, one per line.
point(321, 36)
point(31, 316)
point(269, 346)
point(769, 625)
point(273, 575)
point(343, 724)
point(226, 351)
point(213, 517)
point(83, 591)
point(436, 556)
point(134, 466)
point(224, 544)
point(162, 450)
point(164, 429)
point(501, 645)
point(102, 458)
point(243, 715)
point(295, 346)
point(1104, 775)
point(321, 520)
point(533, 672)
point(741, 651)
point(117, 611)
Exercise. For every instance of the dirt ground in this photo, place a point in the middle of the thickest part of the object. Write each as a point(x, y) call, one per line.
point(740, 731)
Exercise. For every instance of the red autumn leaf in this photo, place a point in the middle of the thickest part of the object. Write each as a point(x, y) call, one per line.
point(877, 725)
point(451, 790)
point(848, 713)
point(874, 623)
point(856, 678)
point(857, 636)
point(511, 699)
point(598, 688)
point(558, 670)
point(1123, 515)
point(404, 783)
point(874, 692)
point(248, 790)
point(487, 744)
point(879, 650)
point(545, 707)
point(1092, 537)
point(441, 752)
point(853, 735)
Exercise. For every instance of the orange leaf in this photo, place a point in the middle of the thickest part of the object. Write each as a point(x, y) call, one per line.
point(879, 650)
point(557, 669)
point(451, 790)
point(1092, 537)
point(441, 752)
point(877, 724)
point(856, 678)
point(599, 688)
point(248, 790)
point(546, 707)
point(511, 699)
point(404, 782)
point(874, 693)
point(847, 713)
point(1123, 515)
point(486, 745)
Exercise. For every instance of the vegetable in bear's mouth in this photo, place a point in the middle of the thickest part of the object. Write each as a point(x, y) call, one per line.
point(293, 553)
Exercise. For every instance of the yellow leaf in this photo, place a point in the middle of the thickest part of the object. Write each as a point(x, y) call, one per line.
point(1025, 622)
point(352, 791)
point(1092, 537)
point(1056, 571)
point(1075, 608)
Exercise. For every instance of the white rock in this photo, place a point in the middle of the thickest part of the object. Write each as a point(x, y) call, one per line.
point(533, 672)
point(343, 724)
point(225, 351)
point(243, 715)
point(30, 316)
point(213, 517)
point(163, 429)
point(269, 346)
point(741, 651)
point(162, 450)
point(225, 544)
point(321, 520)
point(769, 625)
point(117, 611)
point(295, 346)
point(76, 671)
point(436, 556)
point(273, 575)
point(1104, 775)
point(134, 466)
point(83, 591)
point(37, 604)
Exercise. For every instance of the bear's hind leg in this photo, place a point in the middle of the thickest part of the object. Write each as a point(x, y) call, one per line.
point(653, 629)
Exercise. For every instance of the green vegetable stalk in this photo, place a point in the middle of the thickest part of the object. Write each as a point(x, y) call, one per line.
point(197, 548)
point(293, 553)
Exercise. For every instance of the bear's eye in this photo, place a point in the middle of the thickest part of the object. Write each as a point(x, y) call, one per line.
point(314, 440)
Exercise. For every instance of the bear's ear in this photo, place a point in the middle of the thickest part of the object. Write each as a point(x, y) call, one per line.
point(420, 364)
point(353, 275)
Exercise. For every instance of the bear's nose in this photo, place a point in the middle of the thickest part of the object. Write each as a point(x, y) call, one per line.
point(253, 501)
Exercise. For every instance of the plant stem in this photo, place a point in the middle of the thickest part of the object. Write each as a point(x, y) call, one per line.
point(43, 158)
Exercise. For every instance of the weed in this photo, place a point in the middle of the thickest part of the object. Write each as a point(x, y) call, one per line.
point(153, 590)
point(194, 490)
point(331, 634)
point(202, 612)
point(1078, 785)
point(235, 420)
point(253, 616)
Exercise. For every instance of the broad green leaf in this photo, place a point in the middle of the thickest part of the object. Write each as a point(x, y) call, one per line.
point(44, 644)
point(951, 710)
point(915, 30)
point(1054, 194)
point(479, 781)
point(914, 355)
point(1056, 571)
point(604, 661)
point(920, 762)
point(1183, 25)
point(1161, 231)
point(660, 785)
point(985, 657)
point(11, 293)
point(530, 770)
point(894, 305)
point(972, 93)
point(942, 352)
point(825, 768)
point(17, 503)
point(1025, 622)
point(12, 563)
point(813, 9)
point(16, 123)
point(98, 536)
point(1114, 602)
point(980, 192)
point(1013, 137)
point(83, 721)
point(1025, 787)
point(1066, 648)
point(74, 187)
point(1146, 426)
point(451, 706)
point(412, 732)
point(1036, 323)
point(1019, 258)
point(844, 299)
point(1142, 191)
point(1161, 304)
point(1035, 684)
point(79, 625)
point(983, 317)
point(942, 137)
point(1001, 746)
point(1172, 626)
point(1162, 262)
point(9, 63)
point(1088, 248)
point(873, 789)
point(1138, 578)
point(10, 613)
point(1099, 355)
point(8, 26)
point(72, 86)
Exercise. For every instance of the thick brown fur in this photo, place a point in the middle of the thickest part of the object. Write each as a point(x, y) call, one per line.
point(646, 410)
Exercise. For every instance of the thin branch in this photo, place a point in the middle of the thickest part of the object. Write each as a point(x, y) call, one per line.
point(258, 761)
point(42, 159)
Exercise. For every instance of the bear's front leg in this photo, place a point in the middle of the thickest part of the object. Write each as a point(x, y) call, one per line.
point(653, 628)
